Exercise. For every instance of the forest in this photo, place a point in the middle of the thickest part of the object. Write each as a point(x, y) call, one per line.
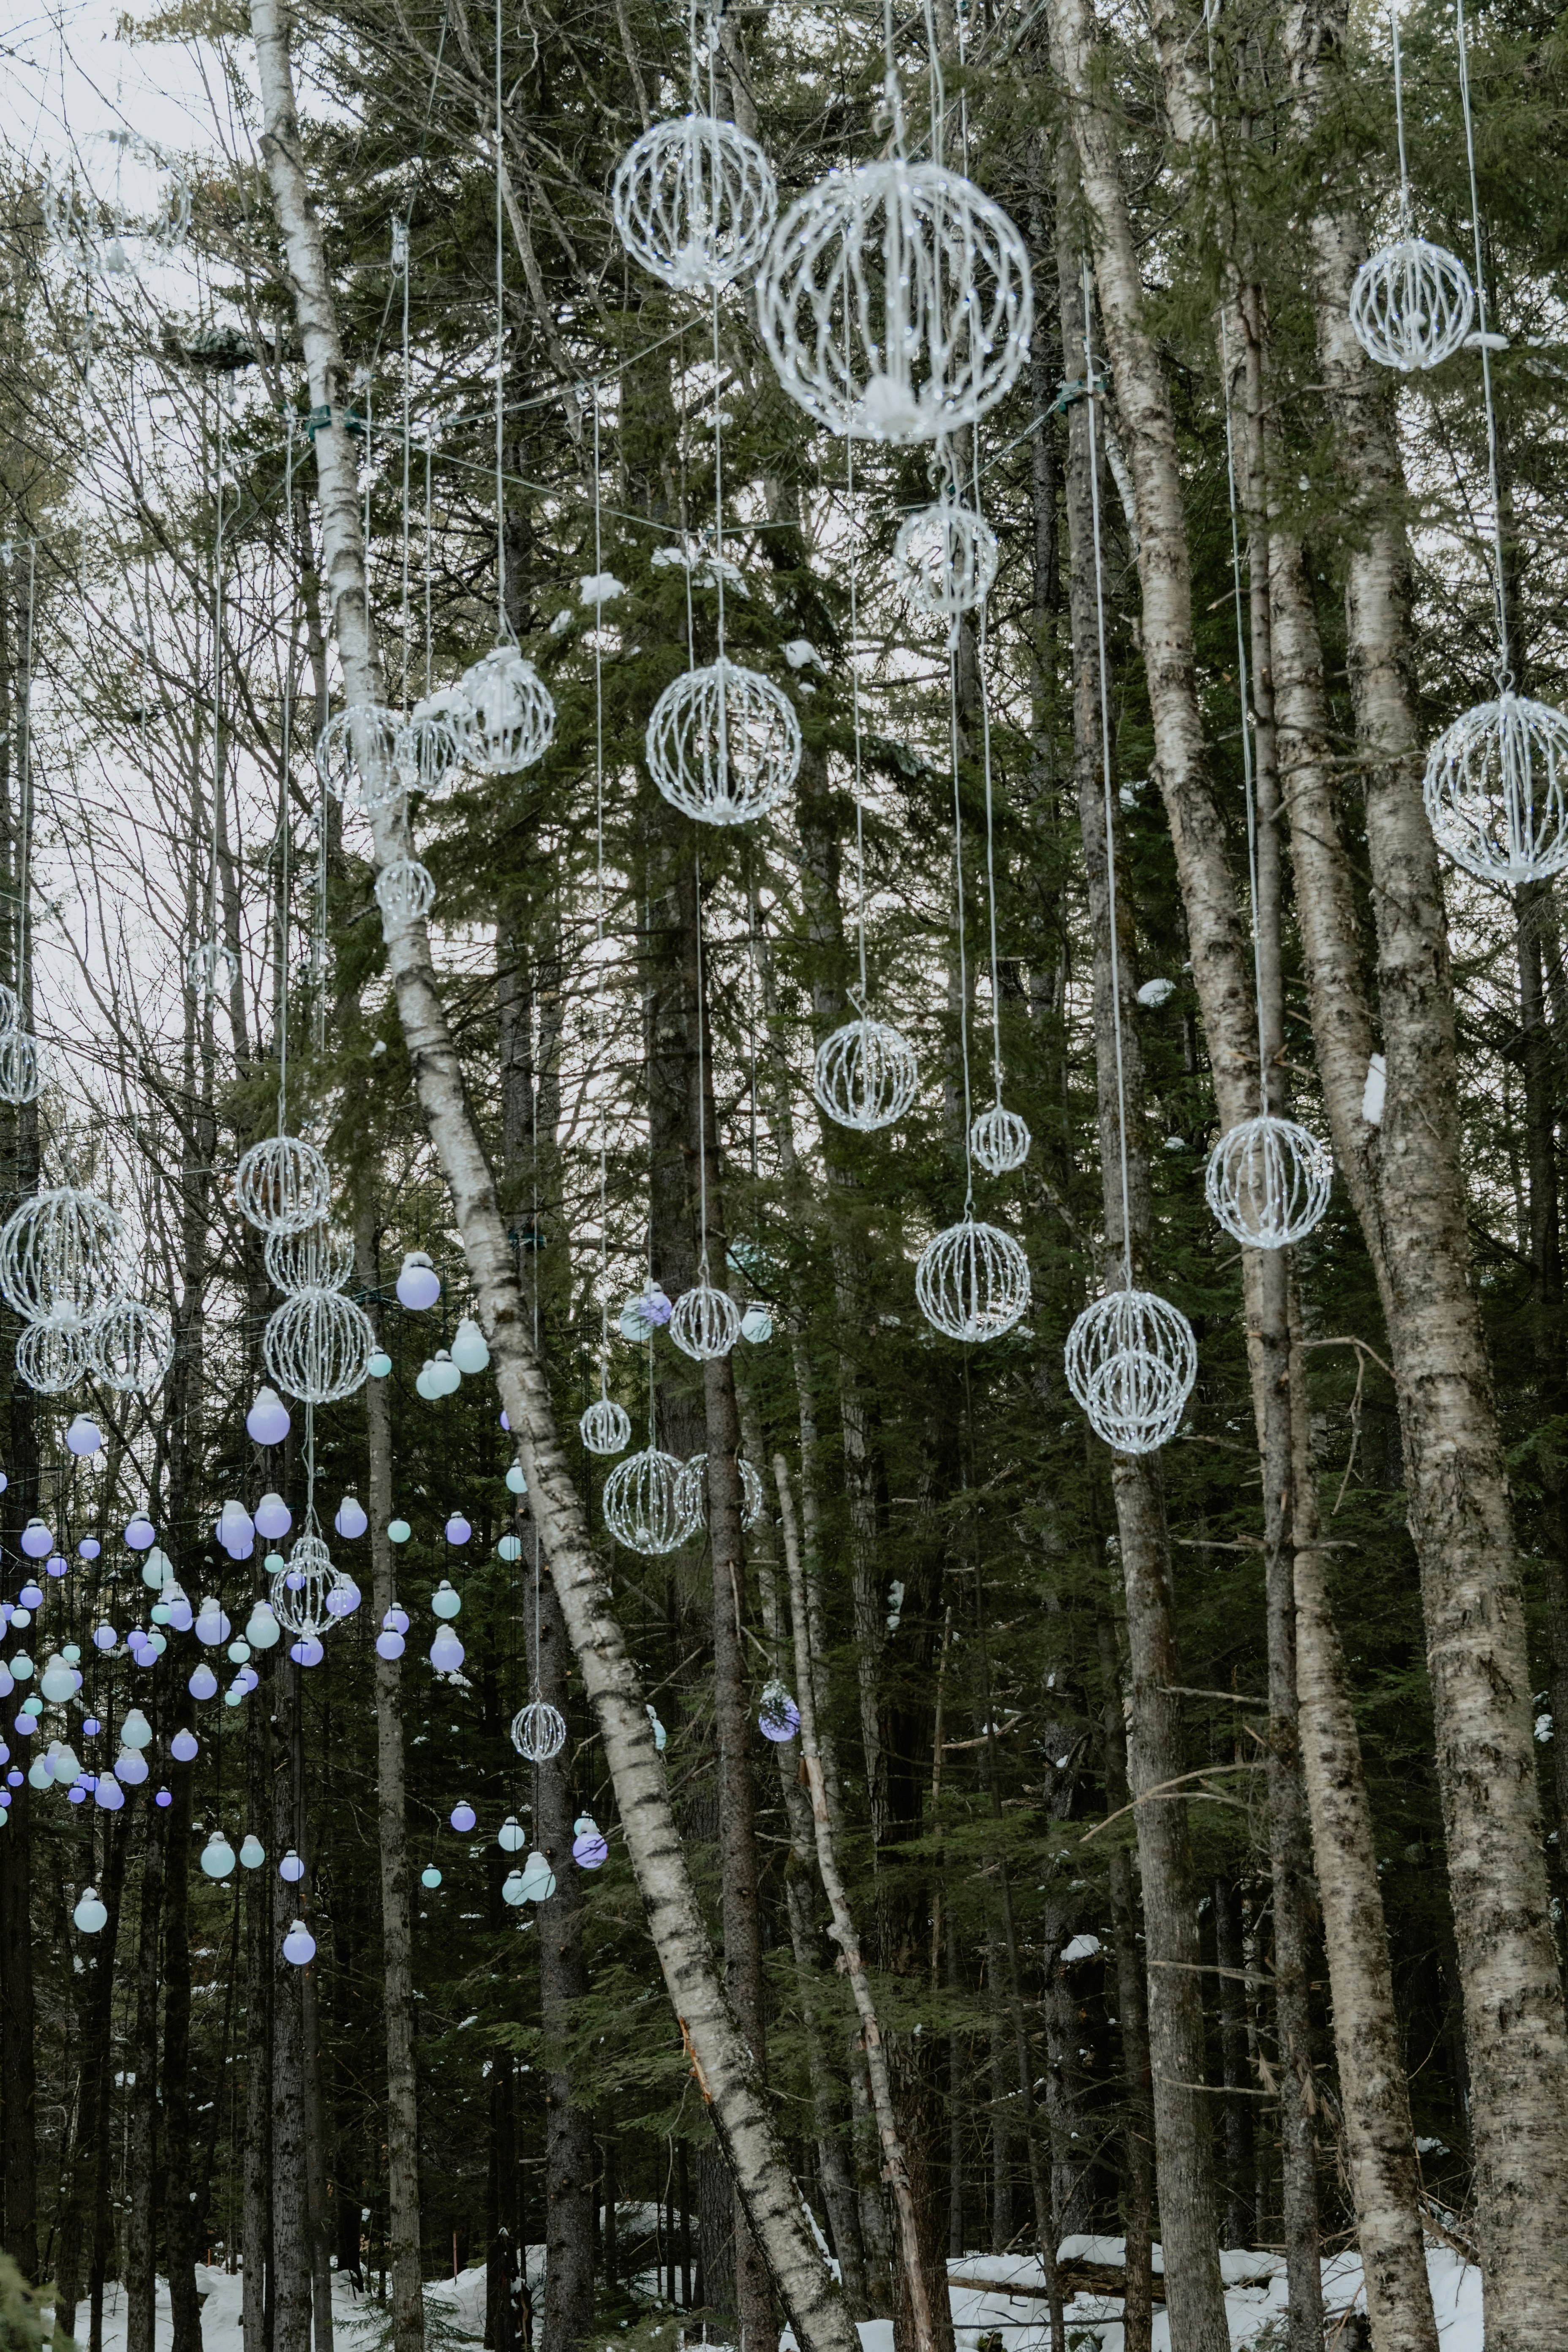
point(783, 1026)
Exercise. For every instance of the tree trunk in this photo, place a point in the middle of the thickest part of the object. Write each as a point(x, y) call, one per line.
point(180, 2217)
point(80, 2184)
point(141, 2139)
point(1132, 2013)
point(292, 2264)
point(256, 2231)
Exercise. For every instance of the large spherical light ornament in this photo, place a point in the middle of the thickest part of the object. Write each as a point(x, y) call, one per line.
point(506, 716)
point(694, 201)
point(61, 1255)
point(1267, 1181)
point(1497, 791)
point(10, 1011)
point(212, 967)
point(606, 1427)
point(642, 1509)
point(1412, 305)
point(427, 752)
point(357, 749)
point(692, 1492)
point(52, 1356)
point(944, 559)
point(1131, 1361)
point(282, 1185)
point(999, 1141)
point(538, 1732)
point(723, 743)
point(866, 1075)
point(973, 1281)
point(132, 1347)
point(896, 301)
point(318, 1345)
point(120, 204)
point(315, 1258)
point(405, 890)
point(705, 1323)
point(303, 1586)
point(21, 1068)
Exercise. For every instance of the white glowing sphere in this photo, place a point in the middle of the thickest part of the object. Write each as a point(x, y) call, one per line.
point(694, 201)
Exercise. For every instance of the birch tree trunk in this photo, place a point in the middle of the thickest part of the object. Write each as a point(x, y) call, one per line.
point(723, 2066)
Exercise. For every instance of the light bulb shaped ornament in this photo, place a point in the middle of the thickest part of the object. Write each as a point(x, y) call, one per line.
point(538, 1879)
point(351, 1519)
point(252, 1854)
point(430, 1876)
point(217, 1856)
point(84, 1436)
point(642, 1504)
point(136, 1731)
point(269, 1420)
point(706, 1322)
point(300, 1945)
point(944, 559)
point(973, 1281)
point(779, 1718)
point(108, 1794)
point(281, 1185)
point(723, 743)
point(131, 1347)
point(471, 1349)
point(262, 1630)
point(131, 1767)
point(445, 1602)
point(447, 1653)
point(1131, 1361)
point(419, 1284)
point(273, 1517)
point(864, 1076)
point(1496, 791)
point(511, 1888)
point(538, 1731)
point(606, 1427)
point(1412, 305)
point(999, 1141)
point(183, 1747)
point(694, 201)
point(1267, 1181)
point(757, 1326)
point(506, 719)
point(91, 1913)
point(510, 1837)
point(463, 1817)
point(291, 1870)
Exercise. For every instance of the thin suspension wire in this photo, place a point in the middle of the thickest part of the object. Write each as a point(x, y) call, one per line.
point(283, 875)
point(701, 1082)
point(430, 547)
point(1505, 661)
point(963, 958)
point(599, 929)
point(1398, 114)
point(502, 631)
point(1249, 715)
point(855, 701)
point(400, 260)
point(25, 856)
point(983, 634)
point(217, 609)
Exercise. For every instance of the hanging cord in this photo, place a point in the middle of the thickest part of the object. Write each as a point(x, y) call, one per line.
point(503, 631)
point(1105, 777)
point(1503, 671)
point(400, 263)
point(287, 829)
point(962, 960)
point(1398, 109)
point(1248, 717)
point(854, 706)
point(701, 1087)
point(429, 452)
point(599, 927)
point(217, 679)
point(25, 855)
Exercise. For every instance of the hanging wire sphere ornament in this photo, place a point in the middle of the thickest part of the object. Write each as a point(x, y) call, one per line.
point(1497, 790)
point(318, 1345)
point(1131, 1361)
point(505, 718)
point(866, 1075)
point(61, 1255)
point(973, 1281)
point(357, 749)
point(692, 1492)
point(132, 1347)
point(896, 301)
point(405, 890)
point(282, 1185)
point(705, 1322)
point(642, 1503)
point(1412, 305)
point(538, 1731)
point(304, 1586)
point(944, 559)
point(694, 201)
point(315, 1258)
point(427, 752)
point(120, 204)
point(1000, 1140)
point(723, 743)
point(21, 1072)
point(10, 1011)
point(1268, 1180)
point(606, 1427)
point(212, 967)
point(52, 1355)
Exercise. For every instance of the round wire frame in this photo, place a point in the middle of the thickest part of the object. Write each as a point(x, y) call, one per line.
point(89, 213)
point(505, 718)
point(21, 1072)
point(405, 890)
point(427, 752)
point(866, 1074)
point(1131, 1361)
point(538, 1731)
point(999, 1141)
point(691, 1489)
point(52, 1355)
point(896, 301)
point(1412, 305)
point(973, 1281)
point(313, 1259)
point(944, 559)
point(131, 1347)
point(303, 1588)
point(705, 1323)
point(1497, 790)
point(606, 1427)
point(723, 743)
point(61, 1255)
point(642, 1508)
point(282, 1185)
point(694, 201)
point(212, 967)
point(318, 1345)
point(10, 1011)
point(357, 749)
point(1267, 1181)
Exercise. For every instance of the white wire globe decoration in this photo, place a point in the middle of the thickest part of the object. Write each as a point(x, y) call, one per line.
point(211, 969)
point(316, 1258)
point(973, 1281)
point(866, 1075)
point(357, 749)
point(606, 1427)
point(896, 302)
point(1000, 1140)
point(694, 201)
point(538, 1731)
point(60, 1253)
point(692, 1492)
point(281, 1185)
point(504, 717)
point(723, 743)
point(1131, 1361)
point(10, 1010)
point(642, 1504)
point(303, 1588)
point(1497, 791)
point(52, 1355)
point(1412, 305)
point(131, 1347)
point(428, 748)
point(1267, 1181)
point(120, 202)
point(405, 890)
point(705, 1322)
point(21, 1068)
point(944, 559)
point(318, 1345)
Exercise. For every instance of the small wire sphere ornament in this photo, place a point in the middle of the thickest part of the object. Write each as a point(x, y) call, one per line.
point(693, 1492)
point(866, 1074)
point(606, 1427)
point(281, 1185)
point(1131, 1361)
point(538, 1731)
point(52, 1355)
point(723, 743)
point(944, 559)
point(973, 1281)
point(212, 967)
point(1412, 305)
point(705, 1322)
point(427, 750)
point(21, 1068)
point(405, 890)
point(1000, 1140)
point(1267, 1181)
point(132, 1347)
point(313, 1259)
point(1497, 790)
point(304, 1586)
point(357, 749)
point(10, 1011)
point(505, 716)
point(694, 201)
point(896, 301)
point(642, 1504)
point(61, 1255)
point(318, 1345)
